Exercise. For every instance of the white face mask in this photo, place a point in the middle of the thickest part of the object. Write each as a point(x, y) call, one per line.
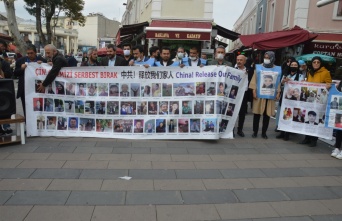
point(301, 69)
point(193, 58)
point(180, 55)
point(267, 61)
point(127, 52)
point(220, 56)
point(138, 59)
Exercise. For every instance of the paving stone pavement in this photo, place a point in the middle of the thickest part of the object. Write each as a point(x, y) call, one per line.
point(59, 178)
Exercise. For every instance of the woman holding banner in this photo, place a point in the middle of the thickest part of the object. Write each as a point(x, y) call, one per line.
point(318, 74)
point(263, 106)
point(293, 75)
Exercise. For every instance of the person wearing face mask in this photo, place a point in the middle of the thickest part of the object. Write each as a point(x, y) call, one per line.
point(303, 68)
point(318, 74)
point(180, 55)
point(285, 67)
point(261, 106)
point(127, 54)
point(139, 58)
point(219, 57)
point(293, 75)
point(194, 60)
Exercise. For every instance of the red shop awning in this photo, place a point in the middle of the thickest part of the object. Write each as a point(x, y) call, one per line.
point(278, 39)
point(179, 30)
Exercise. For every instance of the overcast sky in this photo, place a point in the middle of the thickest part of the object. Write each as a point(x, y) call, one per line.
point(226, 12)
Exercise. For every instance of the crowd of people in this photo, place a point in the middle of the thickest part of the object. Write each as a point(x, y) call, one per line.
point(292, 70)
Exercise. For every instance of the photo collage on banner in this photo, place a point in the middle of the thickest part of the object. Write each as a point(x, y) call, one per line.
point(303, 109)
point(334, 109)
point(190, 108)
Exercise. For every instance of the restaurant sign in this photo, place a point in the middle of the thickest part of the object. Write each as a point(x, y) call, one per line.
point(329, 49)
point(199, 36)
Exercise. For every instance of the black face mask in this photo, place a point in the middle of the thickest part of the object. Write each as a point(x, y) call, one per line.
point(293, 69)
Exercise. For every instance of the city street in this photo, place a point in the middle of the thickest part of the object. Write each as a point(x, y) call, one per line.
point(54, 178)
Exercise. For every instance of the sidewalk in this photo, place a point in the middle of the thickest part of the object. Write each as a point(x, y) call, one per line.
point(241, 179)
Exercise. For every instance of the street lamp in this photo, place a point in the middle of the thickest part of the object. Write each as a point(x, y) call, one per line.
point(325, 2)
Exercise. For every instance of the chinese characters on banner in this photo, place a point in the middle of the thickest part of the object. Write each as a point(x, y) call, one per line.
point(135, 102)
point(303, 109)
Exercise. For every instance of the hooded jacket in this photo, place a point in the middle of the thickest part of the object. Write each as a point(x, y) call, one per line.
point(322, 75)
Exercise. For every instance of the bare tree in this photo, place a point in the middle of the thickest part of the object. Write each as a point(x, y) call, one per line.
point(13, 26)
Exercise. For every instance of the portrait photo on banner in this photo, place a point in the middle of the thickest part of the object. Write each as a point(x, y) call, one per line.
point(267, 82)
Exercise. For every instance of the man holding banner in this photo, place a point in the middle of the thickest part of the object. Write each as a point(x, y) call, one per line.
point(58, 61)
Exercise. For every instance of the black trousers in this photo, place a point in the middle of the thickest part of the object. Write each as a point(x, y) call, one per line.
point(311, 138)
point(243, 111)
point(265, 121)
point(338, 139)
point(22, 97)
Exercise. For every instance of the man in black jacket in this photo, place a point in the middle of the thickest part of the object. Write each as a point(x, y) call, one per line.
point(112, 59)
point(58, 62)
point(20, 67)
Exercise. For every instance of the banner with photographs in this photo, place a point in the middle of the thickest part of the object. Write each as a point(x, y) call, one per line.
point(303, 109)
point(135, 102)
point(267, 81)
point(334, 109)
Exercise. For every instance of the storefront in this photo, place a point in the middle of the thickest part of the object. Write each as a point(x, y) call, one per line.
point(175, 33)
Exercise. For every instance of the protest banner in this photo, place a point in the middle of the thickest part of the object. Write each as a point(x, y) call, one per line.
point(267, 81)
point(135, 102)
point(334, 109)
point(303, 109)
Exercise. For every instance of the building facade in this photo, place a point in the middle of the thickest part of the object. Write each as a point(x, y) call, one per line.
point(278, 15)
point(138, 11)
point(97, 31)
point(66, 38)
point(172, 23)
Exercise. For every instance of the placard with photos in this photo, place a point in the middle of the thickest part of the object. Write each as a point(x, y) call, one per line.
point(303, 109)
point(135, 102)
point(334, 109)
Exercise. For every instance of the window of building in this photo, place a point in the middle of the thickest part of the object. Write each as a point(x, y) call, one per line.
point(272, 14)
point(251, 26)
point(337, 10)
point(286, 17)
point(261, 12)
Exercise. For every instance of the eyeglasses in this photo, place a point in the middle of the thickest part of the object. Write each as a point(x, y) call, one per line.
point(316, 62)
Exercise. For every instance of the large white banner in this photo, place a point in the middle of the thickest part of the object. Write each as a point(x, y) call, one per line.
point(303, 109)
point(135, 102)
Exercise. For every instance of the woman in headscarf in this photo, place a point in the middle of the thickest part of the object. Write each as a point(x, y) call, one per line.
point(262, 106)
point(318, 74)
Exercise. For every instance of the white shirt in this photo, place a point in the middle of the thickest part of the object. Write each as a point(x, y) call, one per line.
point(245, 70)
point(194, 63)
point(111, 62)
